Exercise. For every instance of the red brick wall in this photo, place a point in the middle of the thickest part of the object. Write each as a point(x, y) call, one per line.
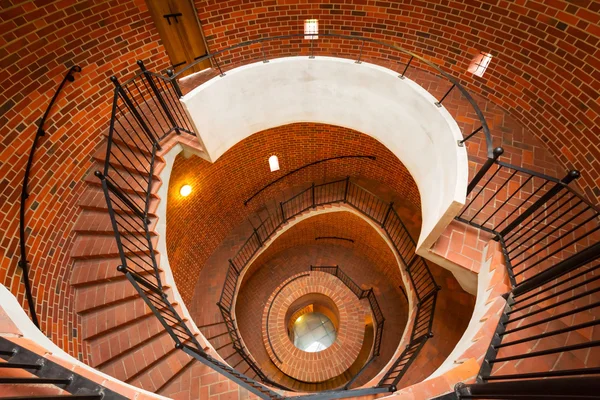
point(39, 41)
point(545, 70)
point(367, 243)
point(197, 224)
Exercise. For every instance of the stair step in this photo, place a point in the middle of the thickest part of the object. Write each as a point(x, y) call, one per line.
point(133, 185)
point(99, 271)
point(134, 363)
point(93, 199)
point(93, 298)
point(115, 317)
point(110, 347)
point(105, 246)
point(159, 374)
point(176, 375)
point(26, 391)
point(139, 141)
point(125, 159)
point(99, 222)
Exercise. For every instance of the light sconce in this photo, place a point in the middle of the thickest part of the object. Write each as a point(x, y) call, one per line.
point(185, 190)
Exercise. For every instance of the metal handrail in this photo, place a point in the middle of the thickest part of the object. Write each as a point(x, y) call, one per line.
point(373, 304)
point(25, 194)
point(455, 83)
point(350, 193)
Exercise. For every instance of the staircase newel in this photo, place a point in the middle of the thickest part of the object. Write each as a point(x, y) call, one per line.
point(498, 151)
point(159, 96)
point(170, 73)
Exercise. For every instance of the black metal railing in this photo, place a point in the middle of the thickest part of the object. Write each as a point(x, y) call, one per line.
point(506, 195)
point(34, 369)
point(539, 220)
point(553, 314)
point(530, 203)
point(145, 110)
point(360, 293)
point(41, 132)
point(342, 191)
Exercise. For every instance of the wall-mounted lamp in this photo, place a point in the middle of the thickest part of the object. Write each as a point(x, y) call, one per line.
point(185, 190)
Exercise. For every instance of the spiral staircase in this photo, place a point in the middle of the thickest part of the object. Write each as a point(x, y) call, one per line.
point(138, 333)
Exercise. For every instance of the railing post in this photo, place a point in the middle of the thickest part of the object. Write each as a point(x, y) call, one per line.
point(260, 242)
point(233, 266)
point(134, 111)
point(498, 151)
point(461, 142)
point(262, 49)
point(362, 44)
point(401, 76)
point(171, 74)
point(346, 189)
point(140, 63)
point(282, 212)
point(439, 103)
point(221, 74)
point(571, 176)
point(313, 196)
point(387, 214)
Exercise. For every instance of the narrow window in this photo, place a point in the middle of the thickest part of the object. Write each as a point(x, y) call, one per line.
point(274, 163)
point(480, 63)
point(311, 29)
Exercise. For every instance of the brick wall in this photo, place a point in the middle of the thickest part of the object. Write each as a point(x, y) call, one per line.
point(197, 224)
point(369, 262)
point(545, 70)
point(367, 244)
point(39, 41)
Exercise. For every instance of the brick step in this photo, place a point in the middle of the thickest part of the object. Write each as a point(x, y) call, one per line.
point(99, 222)
point(99, 271)
point(213, 332)
point(105, 246)
point(93, 199)
point(134, 363)
point(159, 373)
point(95, 298)
point(177, 375)
point(570, 338)
point(140, 142)
point(125, 159)
point(129, 186)
point(218, 342)
point(26, 391)
point(116, 317)
point(115, 345)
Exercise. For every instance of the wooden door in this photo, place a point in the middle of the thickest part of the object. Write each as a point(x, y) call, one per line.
point(180, 32)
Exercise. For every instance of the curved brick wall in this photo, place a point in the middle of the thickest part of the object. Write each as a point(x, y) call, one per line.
point(216, 206)
point(325, 364)
point(39, 41)
point(545, 71)
point(368, 261)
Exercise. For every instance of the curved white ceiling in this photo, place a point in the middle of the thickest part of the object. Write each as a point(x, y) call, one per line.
point(364, 97)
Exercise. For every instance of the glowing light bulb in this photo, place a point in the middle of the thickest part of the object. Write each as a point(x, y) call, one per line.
point(185, 190)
